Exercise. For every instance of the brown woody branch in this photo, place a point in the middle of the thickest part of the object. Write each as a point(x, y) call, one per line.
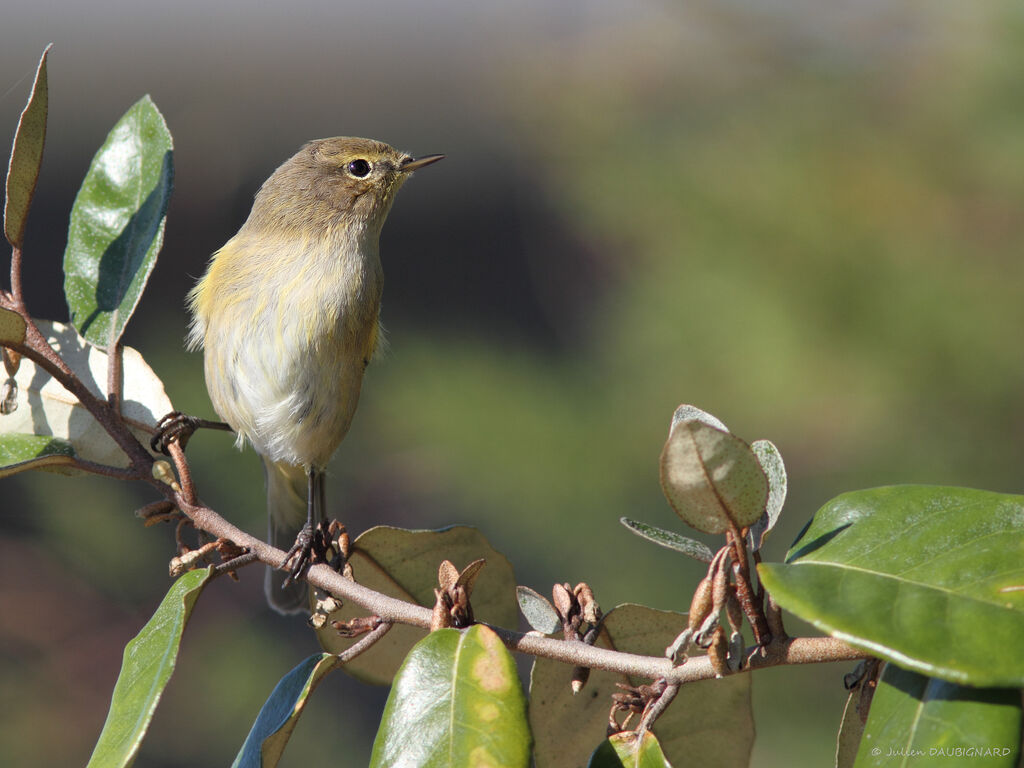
point(805, 650)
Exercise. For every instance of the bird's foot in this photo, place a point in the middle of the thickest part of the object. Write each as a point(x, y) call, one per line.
point(178, 427)
point(310, 547)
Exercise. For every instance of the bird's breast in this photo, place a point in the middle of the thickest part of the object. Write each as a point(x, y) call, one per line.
point(285, 356)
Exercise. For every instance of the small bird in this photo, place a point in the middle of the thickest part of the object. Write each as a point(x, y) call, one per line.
point(288, 317)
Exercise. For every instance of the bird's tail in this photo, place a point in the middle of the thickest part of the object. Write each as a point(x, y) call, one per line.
point(286, 511)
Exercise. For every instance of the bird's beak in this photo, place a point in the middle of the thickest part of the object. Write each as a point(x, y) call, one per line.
point(415, 163)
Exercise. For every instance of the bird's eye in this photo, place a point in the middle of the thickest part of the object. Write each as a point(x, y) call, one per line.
point(359, 168)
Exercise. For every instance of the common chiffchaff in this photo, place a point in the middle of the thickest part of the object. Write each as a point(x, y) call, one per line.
point(287, 314)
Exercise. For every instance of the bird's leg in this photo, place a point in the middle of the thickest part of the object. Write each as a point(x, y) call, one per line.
point(178, 427)
point(305, 550)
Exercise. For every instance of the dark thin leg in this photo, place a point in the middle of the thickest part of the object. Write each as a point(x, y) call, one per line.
point(178, 427)
point(302, 550)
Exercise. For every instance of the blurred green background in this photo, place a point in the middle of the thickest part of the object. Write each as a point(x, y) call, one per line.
point(804, 218)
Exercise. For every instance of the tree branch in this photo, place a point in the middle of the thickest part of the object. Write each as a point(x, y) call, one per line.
point(806, 650)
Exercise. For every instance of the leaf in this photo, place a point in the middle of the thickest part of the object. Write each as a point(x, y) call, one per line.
point(693, 413)
point(456, 701)
point(712, 479)
point(850, 730)
point(117, 224)
point(670, 540)
point(629, 750)
point(149, 660)
point(771, 462)
point(539, 611)
point(710, 722)
point(404, 564)
point(12, 327)
point(47, 409)
point(277, 719)
point(922, 576)
point(920, 721)
point(19, 453)
point(26, 157)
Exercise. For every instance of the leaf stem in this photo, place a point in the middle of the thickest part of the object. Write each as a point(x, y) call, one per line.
point(115, 379)
point(16, 294)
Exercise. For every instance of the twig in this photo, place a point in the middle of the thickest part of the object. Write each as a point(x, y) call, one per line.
point(16, 294)
point(659, 706)
point(364, 644)
point(120, 473)
point(229, 566)
point(807, 650)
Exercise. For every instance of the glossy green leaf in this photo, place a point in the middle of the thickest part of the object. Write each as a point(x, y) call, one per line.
point(20, 453)
point(629, 750)
point(709, 723)
point(455, 701)
point(926, 577)
point(404, 564)
point(117, 224)
point(149, 660)
point(12, 327)
point(277, 719)
point(26, 157)
point(46, 408)
point(775, 470)
point(711, 478)
point(919, 721)
point(538, 610)
point(670, 540)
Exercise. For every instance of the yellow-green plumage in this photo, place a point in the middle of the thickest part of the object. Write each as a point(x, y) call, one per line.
point(287, 315)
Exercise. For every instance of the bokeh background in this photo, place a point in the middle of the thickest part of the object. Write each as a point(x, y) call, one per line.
point(805, 218)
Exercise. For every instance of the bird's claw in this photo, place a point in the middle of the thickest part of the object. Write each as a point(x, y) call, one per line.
point(175, 427)
point(307, 549)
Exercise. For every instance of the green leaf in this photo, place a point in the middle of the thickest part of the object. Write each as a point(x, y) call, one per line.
point(266, 741)
point(771, 462)
point(711, 478)
point(47, 409)
point(691, 731)
point(920, 721)
point(850, 731)
point(926, 577)
point(456, 701)
point(117, 224)
point(629, 750)
point(26, 157)
point(538, 610)
point(12, 327)
point(20, 453)
point(670, 540)
point(149, 660)
point(403, 564)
